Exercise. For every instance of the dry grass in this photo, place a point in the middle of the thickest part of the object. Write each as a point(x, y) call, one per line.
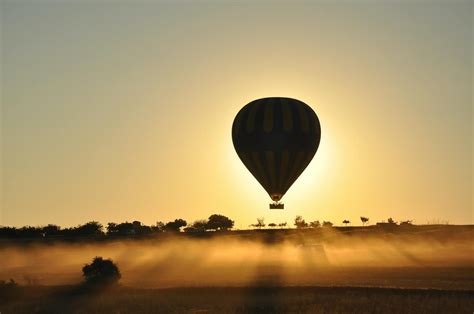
point(238, 300)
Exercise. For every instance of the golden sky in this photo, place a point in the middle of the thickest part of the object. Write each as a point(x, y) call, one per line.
point(115, 112)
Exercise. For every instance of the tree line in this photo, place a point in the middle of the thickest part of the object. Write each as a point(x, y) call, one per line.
point(215, 222)
point(300, 223)
point(95, 229)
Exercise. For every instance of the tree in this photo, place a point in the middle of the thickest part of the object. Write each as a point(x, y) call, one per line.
point(272, 225)
point(30, 232)
point(315, 224)
point(391, 221)
point(260, 223)
point(121, 229)
point(345, 222)
point(176, 225)
point(300, 223)
point(219, 222)
point(111, 228)
point(51, 230)
point(101, 271)
point(282, 224)
point(9, 232)
point(92, 228)
point(364, 220)
point(406, 223)
point(197, 226)
point(159, 227)
point(327, 224)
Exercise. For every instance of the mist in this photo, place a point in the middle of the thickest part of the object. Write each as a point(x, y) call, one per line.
point(331, 258)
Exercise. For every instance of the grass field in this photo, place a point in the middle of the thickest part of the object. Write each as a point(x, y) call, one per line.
point(237, 300)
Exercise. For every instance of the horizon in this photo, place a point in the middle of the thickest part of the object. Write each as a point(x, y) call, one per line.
point(123, 112)
point(289, 224)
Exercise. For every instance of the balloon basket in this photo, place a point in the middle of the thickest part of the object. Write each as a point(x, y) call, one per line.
point(277, 205)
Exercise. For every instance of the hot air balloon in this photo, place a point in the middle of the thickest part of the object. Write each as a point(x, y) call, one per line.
point(276, 138)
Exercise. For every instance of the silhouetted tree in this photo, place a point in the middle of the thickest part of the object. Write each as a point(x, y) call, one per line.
point(141, 229)
point(282, 224)
point(364, 220)
point(406, 223)
point(121, 229)
point(135, 228)
point(159, 227)
point(8, 284)
point(260, 223)
point(101, 271)
point(219, 222)
point(175, 226)
point(30, 232)
point(345, 222)
point(92, 228)
point(315, 224)
point(111, 228)
point(391, 221)
point(9, 232)
point(327, 224)
point(51, 230)
point(272, 225)
point(300, 223)
point(197, 226)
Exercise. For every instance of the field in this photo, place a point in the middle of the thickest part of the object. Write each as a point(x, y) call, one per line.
point(239, 300)
point(418, 269)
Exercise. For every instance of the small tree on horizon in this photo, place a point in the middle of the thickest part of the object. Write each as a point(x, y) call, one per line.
point(364, 220)
point(300, 223)
point(176, 225)
point(219, 222)
point(158, 227)
point(345, 222)
point(91, 228)
point(200, 225)
point(315, 224)
point(260, 223)
point(391, 221)
point(327, 224)
point(51, 230)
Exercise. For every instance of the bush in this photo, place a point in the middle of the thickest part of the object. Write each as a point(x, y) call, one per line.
point(300, 223)
point(8, 284)
point(219, 222)
point(175, 226)
point(101, 271)
point(327, 224)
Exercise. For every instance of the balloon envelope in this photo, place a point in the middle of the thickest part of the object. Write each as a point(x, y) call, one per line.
point(276, 138)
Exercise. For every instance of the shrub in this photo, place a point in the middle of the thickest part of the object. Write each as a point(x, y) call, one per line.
point(101, 271)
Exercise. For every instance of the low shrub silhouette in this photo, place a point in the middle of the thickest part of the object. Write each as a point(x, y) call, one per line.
point(327, 224)
point(175, 226)
point(300, 223)
point(8, 284)
point(101, 271)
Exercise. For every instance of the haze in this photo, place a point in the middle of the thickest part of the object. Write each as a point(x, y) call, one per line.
point(315, 257)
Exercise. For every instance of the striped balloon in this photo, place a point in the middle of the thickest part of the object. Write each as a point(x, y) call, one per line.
point(276, 138)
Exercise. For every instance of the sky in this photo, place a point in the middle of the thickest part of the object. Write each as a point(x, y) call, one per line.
point(115, 111)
